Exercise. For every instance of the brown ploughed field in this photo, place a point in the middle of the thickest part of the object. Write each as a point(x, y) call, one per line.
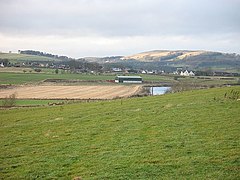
point(70, 92)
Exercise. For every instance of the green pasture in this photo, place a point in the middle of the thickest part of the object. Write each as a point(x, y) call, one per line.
point(188, 135)
point(21, 78)
point(157, 78)
point(33, 77)
point(209, 80)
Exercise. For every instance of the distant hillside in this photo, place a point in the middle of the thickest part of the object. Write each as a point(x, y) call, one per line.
point(44, 54)
point(163, 55)
point(190, 59)
point(25, 57)
point(32, 55)
point(170, 60)
point(102, 60)
point(152, 60)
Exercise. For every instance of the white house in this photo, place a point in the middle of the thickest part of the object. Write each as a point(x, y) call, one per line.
point(191, 73)
point(117, 69)
point(186, 73)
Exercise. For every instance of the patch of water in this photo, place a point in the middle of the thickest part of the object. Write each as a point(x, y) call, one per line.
point(159, 90)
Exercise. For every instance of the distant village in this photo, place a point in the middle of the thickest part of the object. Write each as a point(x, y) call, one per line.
point(74, 66)
point(64, 64)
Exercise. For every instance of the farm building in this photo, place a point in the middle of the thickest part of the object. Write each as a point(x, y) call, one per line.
point(128, 79)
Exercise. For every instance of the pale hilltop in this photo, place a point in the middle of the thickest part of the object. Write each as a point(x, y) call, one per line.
point(167, 55)
point(193, 59)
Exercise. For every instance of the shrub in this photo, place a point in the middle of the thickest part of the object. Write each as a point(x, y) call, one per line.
point(175, 78)
point(37, 70)
point(234, 95)
point(9, 101)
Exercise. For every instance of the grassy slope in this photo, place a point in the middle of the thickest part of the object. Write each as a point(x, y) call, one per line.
point(25, 57)
point(193, 135)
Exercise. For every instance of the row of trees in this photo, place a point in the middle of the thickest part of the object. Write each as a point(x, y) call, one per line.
point(39, 53)
point(82, 65)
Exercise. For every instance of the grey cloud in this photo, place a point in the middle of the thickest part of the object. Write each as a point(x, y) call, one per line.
point(120, 18)
point(101, 27)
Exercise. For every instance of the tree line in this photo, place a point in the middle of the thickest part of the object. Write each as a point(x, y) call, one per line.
point(39, 53)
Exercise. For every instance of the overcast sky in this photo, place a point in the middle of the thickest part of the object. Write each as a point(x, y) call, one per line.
point(80, 28)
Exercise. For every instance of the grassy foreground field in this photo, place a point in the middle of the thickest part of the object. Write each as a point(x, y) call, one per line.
point(188, 135)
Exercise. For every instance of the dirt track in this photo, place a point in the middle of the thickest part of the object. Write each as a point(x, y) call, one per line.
point(70, 92)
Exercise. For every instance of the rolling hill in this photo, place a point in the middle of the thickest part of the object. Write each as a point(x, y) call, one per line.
point(170, 60)
point(191, 59)
point(25, 57)
point(157, 59)
point(165, 55)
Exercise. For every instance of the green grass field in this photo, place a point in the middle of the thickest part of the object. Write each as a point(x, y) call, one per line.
point(22, 78)
point(188, 135)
